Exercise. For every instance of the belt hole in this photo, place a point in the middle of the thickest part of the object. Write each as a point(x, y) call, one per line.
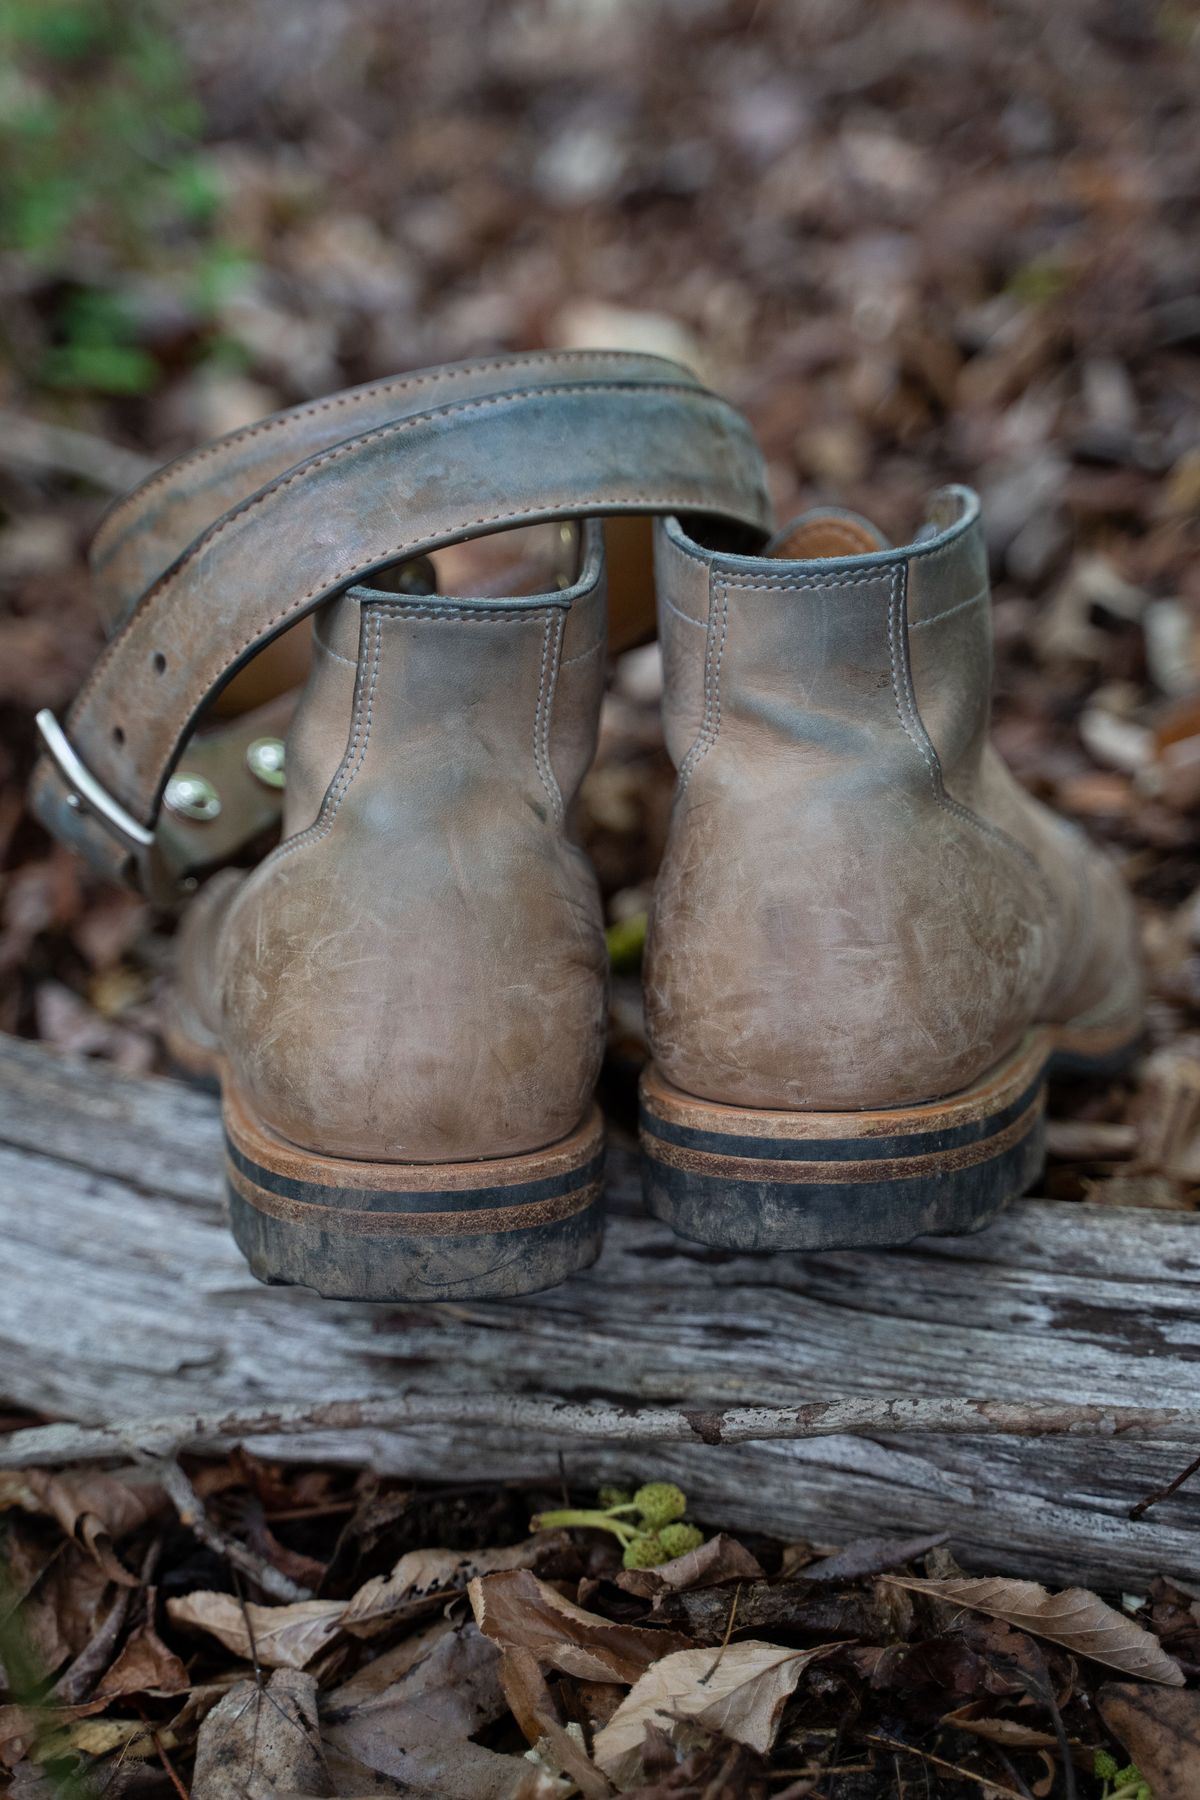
point(160, 663)
point(118, 735)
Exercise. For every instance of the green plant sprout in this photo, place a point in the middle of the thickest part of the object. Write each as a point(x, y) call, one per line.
point(1120, 1784)
point(655, 1534)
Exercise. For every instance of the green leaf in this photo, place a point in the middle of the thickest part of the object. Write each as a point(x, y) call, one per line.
point(100, 368)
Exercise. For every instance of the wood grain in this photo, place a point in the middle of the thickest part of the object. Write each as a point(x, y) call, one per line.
point(123, 1297)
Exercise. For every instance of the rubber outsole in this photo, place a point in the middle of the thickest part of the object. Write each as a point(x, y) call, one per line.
point(412, 1231)
point(743, 1178)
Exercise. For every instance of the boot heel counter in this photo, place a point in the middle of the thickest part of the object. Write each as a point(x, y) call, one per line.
point(421, 974)
point(831, 928)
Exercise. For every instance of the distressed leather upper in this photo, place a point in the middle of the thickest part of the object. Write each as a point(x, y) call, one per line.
point(857, 907)
point(418, 973)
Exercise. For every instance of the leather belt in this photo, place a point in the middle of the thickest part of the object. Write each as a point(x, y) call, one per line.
point(210, 560)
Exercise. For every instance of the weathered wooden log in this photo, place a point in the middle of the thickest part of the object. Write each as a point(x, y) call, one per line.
point(123, 1298)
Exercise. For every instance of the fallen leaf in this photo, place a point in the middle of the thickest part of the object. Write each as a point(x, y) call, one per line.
point(95, 1510)
point(100, 1737)
point(1075, 1618)
point(533, 1707)
point(375, 1677)
point(740, 1694)
point(1160, 1731)
point(520, 1612)
point(1010, 1734)
point(278, 1637)
point(145, 1666)
point(259, 1742)
point(423, 1579)
point(450, 1691)
point(719, 1559)
point(66, 1607)
point(869, 1556)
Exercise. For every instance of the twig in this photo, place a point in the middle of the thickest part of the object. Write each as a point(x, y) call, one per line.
point(709, 1673)
point(164, 1759)
point(78, 1679)
point(1143, 1506)
point(28, 443)
point(55, 1445)
point(939, 1762)
point(190, 1508)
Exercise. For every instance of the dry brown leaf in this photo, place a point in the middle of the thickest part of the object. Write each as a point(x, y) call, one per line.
point(520, 1612)
point(741, 1694)
point(1010, 1734)
point(450, 1692)
point(423, 1579)
point(284, 1637)
point(66, 1607)
point(375, 1677)
point(93, 1509)
point(1075, 1618)
point(719, 1559)
point(418, 1729)
point(532, 1706)
point(100, 1737)
point(260, 1742)
point(145, 1666)
point(1160, 1731)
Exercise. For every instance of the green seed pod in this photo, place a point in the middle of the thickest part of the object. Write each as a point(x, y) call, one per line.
point(660, 1503)
point(644, 1551)
point(678, 1539)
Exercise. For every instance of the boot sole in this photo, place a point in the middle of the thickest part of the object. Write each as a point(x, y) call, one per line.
point(412, 1231)
point(742, 1178)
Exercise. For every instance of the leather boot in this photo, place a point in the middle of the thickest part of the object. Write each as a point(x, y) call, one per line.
point(869, 946)
point(405, 1002)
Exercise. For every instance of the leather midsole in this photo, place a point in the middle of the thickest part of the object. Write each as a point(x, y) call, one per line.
point(935, 1138)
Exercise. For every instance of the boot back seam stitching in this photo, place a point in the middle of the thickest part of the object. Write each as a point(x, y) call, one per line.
point(914, 728)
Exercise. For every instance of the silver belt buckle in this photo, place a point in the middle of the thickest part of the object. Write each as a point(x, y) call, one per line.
point(85, 793)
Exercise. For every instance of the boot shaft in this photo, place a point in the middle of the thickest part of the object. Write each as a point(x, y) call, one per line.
point(864, 657)
point(418, 972)
point(856, 906)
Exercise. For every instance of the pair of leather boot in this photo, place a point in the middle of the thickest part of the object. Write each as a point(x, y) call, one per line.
point(868, 945)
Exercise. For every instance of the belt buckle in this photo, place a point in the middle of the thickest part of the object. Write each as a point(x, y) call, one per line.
point(86, 794)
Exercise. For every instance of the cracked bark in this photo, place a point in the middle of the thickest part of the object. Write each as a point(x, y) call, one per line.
point(1022, 1389)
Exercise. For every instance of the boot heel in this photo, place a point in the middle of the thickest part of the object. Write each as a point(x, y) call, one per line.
point(746, 1179)
point(413, 1231)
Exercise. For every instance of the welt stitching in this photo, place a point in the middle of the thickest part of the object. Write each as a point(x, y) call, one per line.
point(193, 458)
point(914, 729)
point(948, 612)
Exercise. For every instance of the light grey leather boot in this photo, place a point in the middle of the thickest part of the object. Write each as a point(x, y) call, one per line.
point(405, 1002)
point(868, 944)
